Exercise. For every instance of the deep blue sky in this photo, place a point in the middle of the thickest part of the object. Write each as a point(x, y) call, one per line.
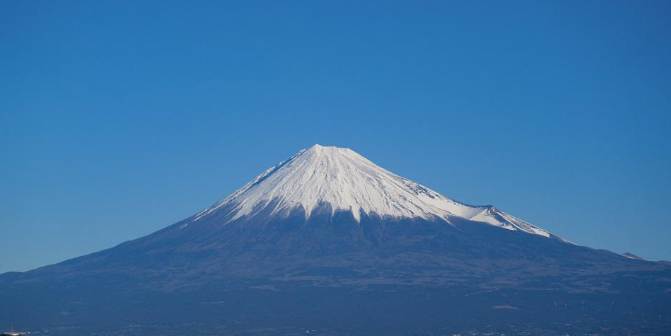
point(120, 118)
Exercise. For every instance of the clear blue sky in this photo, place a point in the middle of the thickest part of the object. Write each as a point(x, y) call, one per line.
point(120, 118)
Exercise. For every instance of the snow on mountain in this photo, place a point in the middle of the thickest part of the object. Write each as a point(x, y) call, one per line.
point(348, 181)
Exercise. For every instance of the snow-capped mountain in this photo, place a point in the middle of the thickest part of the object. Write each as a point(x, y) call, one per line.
point(330, 243)
point(347, 181)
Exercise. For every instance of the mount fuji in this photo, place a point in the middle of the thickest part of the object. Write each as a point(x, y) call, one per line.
point(329, 243)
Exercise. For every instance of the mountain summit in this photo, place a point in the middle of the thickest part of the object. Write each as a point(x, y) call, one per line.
point(343, 180)
point(330, 243)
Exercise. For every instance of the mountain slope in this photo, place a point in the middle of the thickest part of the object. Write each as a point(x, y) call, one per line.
point(329, 242)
